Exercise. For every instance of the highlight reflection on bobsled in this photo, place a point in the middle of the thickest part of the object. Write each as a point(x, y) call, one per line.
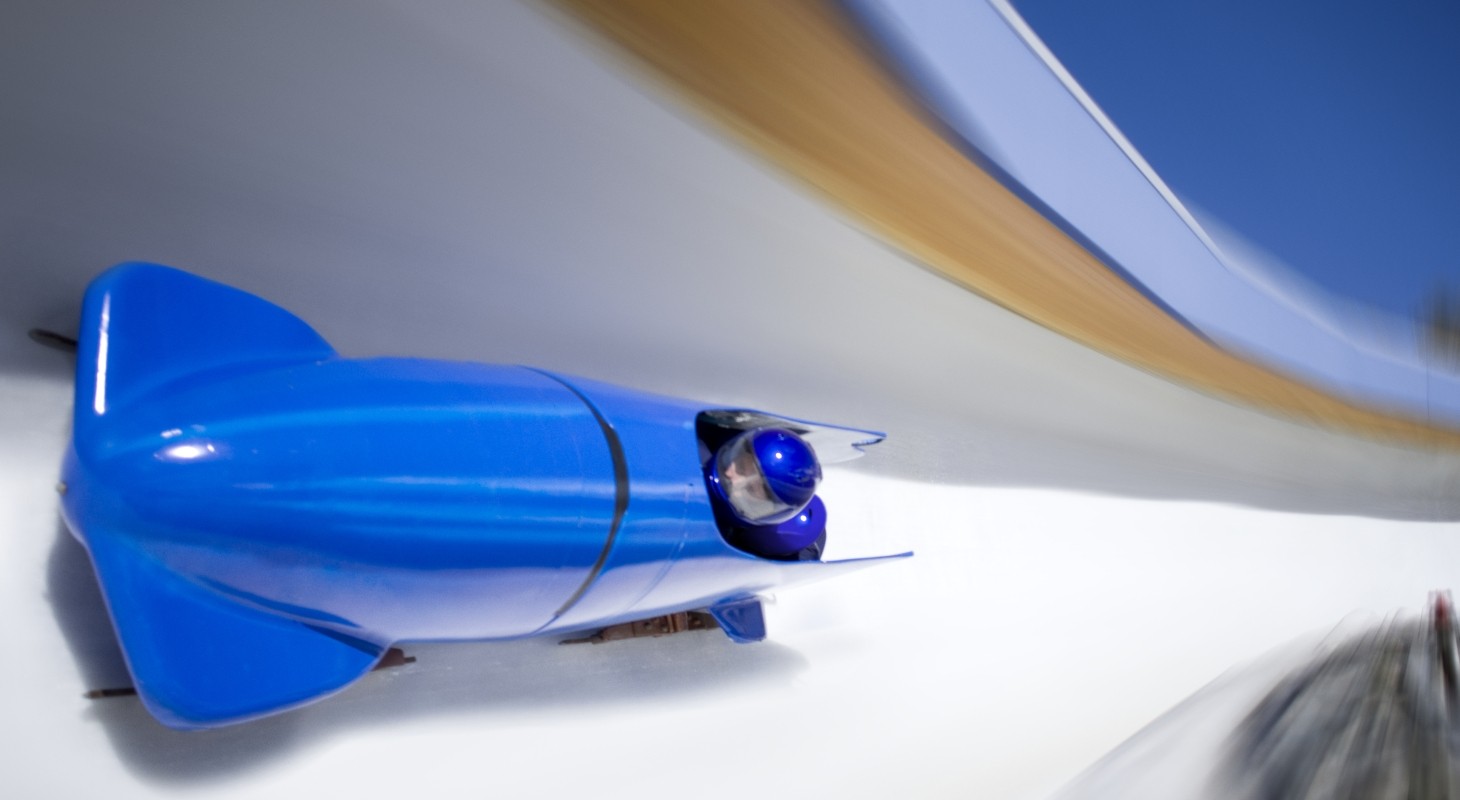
point(266, 518)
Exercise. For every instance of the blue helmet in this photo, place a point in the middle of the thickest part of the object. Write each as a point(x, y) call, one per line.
point(766, 476)
point(787, 538)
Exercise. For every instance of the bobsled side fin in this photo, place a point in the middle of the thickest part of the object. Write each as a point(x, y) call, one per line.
point(201, 660)
point(794, 572)
point(832, 443)
point(143, 325)
point(742, 619)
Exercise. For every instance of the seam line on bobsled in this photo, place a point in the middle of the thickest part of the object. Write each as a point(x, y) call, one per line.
point(620, 493)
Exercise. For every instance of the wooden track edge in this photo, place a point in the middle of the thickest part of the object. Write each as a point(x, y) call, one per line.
point(796, 81)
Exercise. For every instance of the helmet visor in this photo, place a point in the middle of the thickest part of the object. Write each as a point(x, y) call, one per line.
point(745, 484)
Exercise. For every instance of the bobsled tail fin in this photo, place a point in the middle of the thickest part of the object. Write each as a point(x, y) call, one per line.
point(201, 660)
point(143, 325)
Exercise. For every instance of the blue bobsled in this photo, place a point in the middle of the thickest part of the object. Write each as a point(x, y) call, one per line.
point(266, 517)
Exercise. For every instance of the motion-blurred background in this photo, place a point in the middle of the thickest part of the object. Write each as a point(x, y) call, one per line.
point(1152, 304)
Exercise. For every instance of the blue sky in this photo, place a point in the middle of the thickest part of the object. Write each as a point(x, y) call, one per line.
point(1327, 133)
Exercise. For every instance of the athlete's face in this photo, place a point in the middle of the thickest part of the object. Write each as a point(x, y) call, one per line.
point(744, 483)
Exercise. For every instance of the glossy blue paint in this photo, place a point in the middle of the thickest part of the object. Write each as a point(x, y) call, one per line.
point(266, 517)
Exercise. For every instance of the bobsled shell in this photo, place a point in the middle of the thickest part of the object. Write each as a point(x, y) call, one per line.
point(285, 497)
point(266, 517)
